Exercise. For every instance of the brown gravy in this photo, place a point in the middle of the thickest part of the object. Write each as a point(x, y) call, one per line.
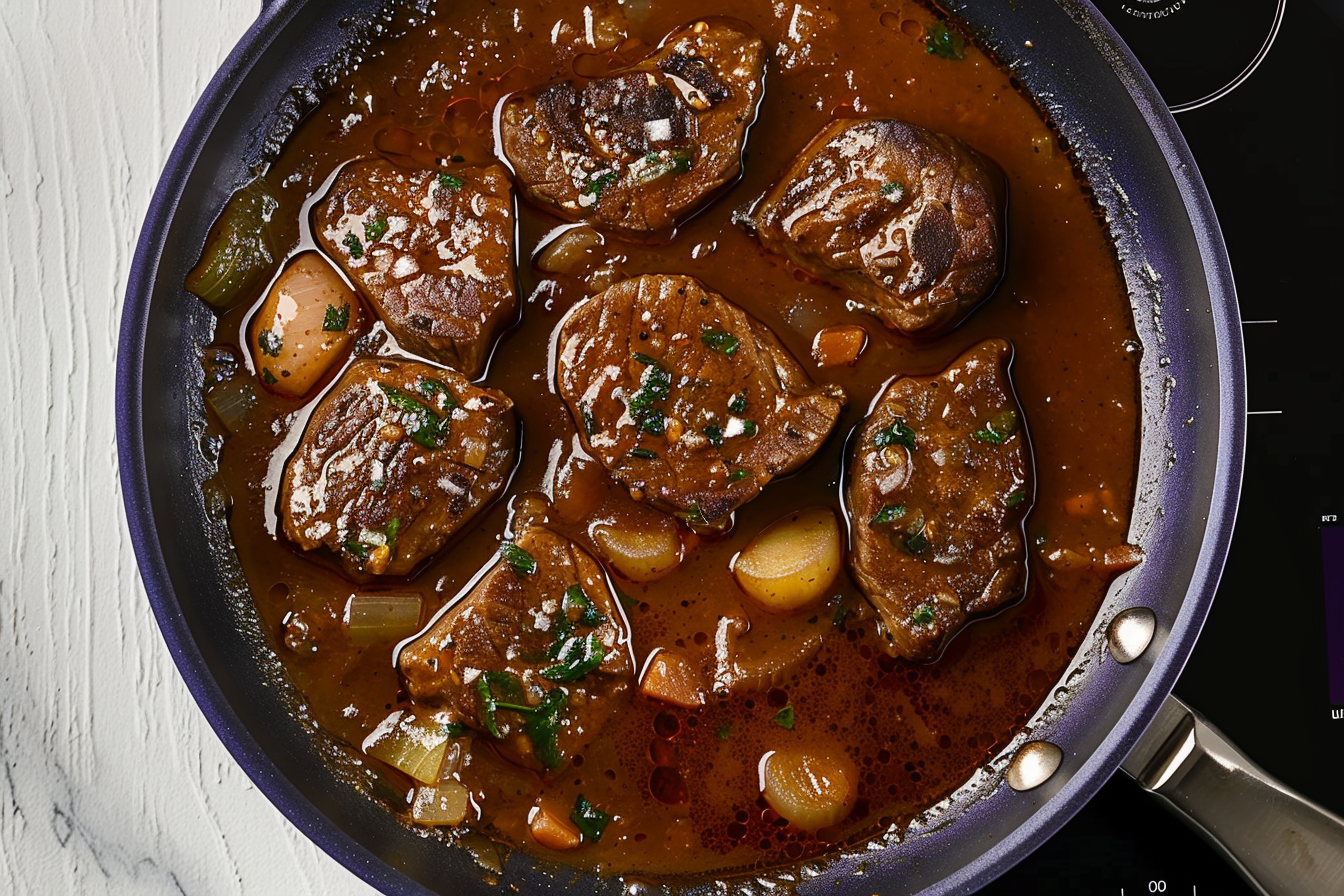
point(915, 732)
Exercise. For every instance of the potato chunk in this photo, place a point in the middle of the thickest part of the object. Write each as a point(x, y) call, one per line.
point(305, 326)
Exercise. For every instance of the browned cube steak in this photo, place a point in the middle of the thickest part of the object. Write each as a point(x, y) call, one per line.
point(910, 221)
point(432, 250)
point(688, 401)
point(645, 146)
point(541, 631)
point(940, 482)
point(396, 458)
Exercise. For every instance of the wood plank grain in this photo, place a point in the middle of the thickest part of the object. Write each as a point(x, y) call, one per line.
point(112, 781)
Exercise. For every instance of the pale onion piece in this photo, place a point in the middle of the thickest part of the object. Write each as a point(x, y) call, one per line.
point(757, 666)
point(838, 345)
point(570, 252)
point(792, 562)
point(382, 617)
point(1121, 558)
point(304, 327)
point(231, 403)
point(1067, 560)
point(413, 741)
point(552, 830)
point(640, 553)
point(445, 805)
point(812, 787)
point(670, 677)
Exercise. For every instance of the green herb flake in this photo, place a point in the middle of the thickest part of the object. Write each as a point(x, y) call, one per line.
point(267, 377)
point(499, 690)
point(589, 819)
point(438, 392)
point(646, 360)
point(645, 406)
point(393, 527)
point(1016, 498)
point(519, 560)
point(543, 727)
point(894, 189)
point(723, 732)
point(945, 43)
point(374, 230)
point(589, 422)
point(738, 403)
point(353, 245)
point(714, 434)
point(643, 453)
point(749, 428)
point(997, 429)
point(895, 434)
point(737, 475)
point(454, 729)
point(888, 514)
point(923, 616)
point(595, 186)
point(578, 657)
point(784, 718)
point(721, 341)
point(358, 549)
point(270, 343)
point(841, 611)
point(426, 428)
point(450, 181)
point(336, 320)
point(916, 544)
point(576, 599)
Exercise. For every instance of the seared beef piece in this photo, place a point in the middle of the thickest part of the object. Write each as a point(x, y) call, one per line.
point(910, 221)
point(541, 631)
point(941, 481)
point(433, 252)
point(643, 147)
point(689, 402)
point(397, 457)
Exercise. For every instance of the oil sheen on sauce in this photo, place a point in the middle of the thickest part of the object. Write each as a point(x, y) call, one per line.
point(915, 732)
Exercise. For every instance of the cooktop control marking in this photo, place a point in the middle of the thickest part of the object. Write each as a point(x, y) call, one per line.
point(1332, 568)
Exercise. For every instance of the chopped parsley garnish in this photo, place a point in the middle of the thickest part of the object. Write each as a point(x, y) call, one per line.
point(393, 527)
point(426, 428)
point(336, 320)
point(454, 729)
point(645, 406)
point(888, 514)
point(576, 599)
point(997, 429)
point(721, 341)
point(519, 560)
point(714, 434)
point(270, 343)
point(784, 718)
point(430, 388)
point(922, 616)
point(643, 453)
point(723, 732)
point(895, 434)
point(738, 403)
point(589, 819)
point(943, 42)
point(595, 186)
point(450, 181)
point(737, 475)
point(543, 727)
point(358, 549)
point(895, 189)
point(267, 377)
point(577, 656)
point(655, 167)
point(1016, 498)
point(749, 428)
point(499, 690)
point(374, 230)
point(644, 359)
point(916, 543)
point(355, 247)
point(841, 611)
point(589, 422)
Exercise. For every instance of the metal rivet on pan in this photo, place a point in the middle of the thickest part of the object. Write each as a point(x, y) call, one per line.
point(1130, 634)
point(1034, 764)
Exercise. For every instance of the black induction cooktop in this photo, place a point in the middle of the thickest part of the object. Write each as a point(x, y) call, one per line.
point(1258, 91)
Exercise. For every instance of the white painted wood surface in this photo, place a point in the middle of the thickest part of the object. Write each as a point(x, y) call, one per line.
point(113, 782)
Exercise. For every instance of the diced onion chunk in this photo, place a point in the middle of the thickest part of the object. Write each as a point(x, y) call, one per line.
point(444, 805)
point(811, 788)
point(412, 741)
point(370, 618)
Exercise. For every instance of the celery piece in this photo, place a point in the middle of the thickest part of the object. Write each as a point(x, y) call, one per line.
point(370, 618)
point(239, 253)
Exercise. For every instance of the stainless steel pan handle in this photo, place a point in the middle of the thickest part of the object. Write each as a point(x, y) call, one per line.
point(1279, 840)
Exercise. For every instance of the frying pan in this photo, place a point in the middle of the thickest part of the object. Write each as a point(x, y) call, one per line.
point(1192, 378)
